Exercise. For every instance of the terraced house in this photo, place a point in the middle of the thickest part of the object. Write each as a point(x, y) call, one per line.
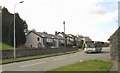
point(43, 40)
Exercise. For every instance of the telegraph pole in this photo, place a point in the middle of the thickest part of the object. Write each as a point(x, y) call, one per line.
point(64, 26)
point(64, 34)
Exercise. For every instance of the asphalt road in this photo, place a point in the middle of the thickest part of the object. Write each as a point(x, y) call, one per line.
point(54, 62)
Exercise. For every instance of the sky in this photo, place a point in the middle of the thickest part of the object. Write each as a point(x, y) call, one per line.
point(94, 18)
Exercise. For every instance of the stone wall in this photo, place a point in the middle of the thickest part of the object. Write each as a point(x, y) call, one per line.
point(7, 54)
point(115, 44)
point(114, 48)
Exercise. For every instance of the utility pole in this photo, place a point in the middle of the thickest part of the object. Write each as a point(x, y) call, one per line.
point(64, 25)
point(65, 34)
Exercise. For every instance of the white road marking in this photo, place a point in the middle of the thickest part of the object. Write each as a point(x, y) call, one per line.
point(59, 59)
point(32, 64)
point(1, 71)
point(72, 55)
point(81, 60)
point(54, 59)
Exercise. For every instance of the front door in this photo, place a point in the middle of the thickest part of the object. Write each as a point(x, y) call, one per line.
point(39, 45)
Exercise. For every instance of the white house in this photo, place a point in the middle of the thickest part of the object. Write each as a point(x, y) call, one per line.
point(34, 39)
point(43, 40)
point(55, 41)
point(58, 41)
point(48, 41)
point(61, 40)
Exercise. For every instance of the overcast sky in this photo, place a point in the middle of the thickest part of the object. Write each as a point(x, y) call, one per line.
point(94, 18)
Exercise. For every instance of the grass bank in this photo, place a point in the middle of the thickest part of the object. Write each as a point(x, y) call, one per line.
point(35, 57)
point(4, 46)
point(90, 66)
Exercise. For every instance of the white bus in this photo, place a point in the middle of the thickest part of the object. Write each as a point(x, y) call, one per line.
point(92, 46)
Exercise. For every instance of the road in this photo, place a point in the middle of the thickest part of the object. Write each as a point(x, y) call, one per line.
point(55, 62)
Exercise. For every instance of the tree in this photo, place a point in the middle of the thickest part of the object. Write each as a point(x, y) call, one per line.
point(80, 44)
point(0, 25)
point(25, 26)
point(33, 30)
point(8, 28)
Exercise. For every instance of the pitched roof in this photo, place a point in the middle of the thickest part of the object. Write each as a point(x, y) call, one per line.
point(117, 32)
point(60, 37)
point(34, 33)
point(42, 34)
point(57, 36)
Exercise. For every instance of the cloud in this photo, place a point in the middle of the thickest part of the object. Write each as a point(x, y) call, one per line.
point(98, 10)
point(109, 0)
point(81, 16)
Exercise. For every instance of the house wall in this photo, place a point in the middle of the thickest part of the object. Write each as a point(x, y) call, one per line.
point(61, 42)
point(56, 43)
point(48, 42)
point(114, 48)
point(31, 40)
point(115, 44)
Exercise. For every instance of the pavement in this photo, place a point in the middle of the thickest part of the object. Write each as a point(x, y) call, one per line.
point(49, 63)
point(115, 65)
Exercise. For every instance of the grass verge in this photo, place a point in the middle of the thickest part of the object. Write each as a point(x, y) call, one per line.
point(90, 66)
point(4, 46)
point(35, 57)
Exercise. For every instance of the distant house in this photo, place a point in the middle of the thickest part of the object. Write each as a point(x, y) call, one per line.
point(61, 41)
point(80, 37)
point(34, 39)
point(80, 41)
point(86, 38)
point(39, 40)
point(58, 41)
point(55, 41)
point(115, 44)
point(68, 39)
point(71, 40)
point(43, 40)
point(48, 41)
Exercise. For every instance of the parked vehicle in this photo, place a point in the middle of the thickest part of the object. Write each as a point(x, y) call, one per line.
point(92, 46)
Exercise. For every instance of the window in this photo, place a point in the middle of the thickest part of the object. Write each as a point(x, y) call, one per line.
point(38, 39)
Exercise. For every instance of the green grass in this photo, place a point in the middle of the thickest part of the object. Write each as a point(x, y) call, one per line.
point(35, 57)
point(5, 47)
point(90, 65)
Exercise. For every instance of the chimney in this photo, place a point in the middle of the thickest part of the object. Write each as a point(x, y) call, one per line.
point(45, 32)
point(56, 33)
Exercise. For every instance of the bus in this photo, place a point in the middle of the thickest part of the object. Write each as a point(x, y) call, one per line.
point(92, 47)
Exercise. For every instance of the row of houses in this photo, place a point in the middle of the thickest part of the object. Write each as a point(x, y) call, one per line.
point(45, 40)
